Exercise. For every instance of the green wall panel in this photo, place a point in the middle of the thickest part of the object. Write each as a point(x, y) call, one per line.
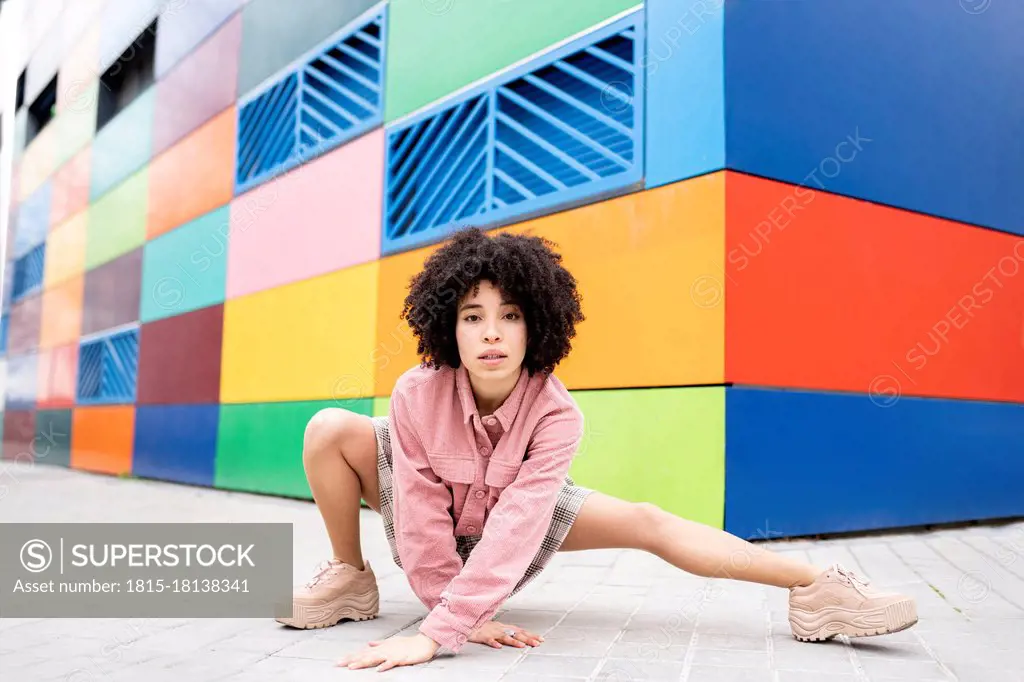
point(117, 222)
point(664, 445)
point(77, 122)
point(123, 145)
point(436, 47)
point(53, 437)
point(186, 268)
point(259, 445)
point(381, 406)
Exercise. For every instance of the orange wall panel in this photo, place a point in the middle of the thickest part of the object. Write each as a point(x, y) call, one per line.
point(828, 292)
point(102, 437)
point(634, 258)
point(62, 313)
point(194, 176)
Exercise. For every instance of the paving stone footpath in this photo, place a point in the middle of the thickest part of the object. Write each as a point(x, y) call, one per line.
point(617, 615)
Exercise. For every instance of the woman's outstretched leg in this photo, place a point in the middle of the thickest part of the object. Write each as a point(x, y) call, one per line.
point(823, 603)
point(606, 522)
point(339, 454)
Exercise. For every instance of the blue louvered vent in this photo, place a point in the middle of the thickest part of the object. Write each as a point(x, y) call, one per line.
point(28, 272)
point(440, 168)
point(108, 368)
point(330, 97)
point(556, 132)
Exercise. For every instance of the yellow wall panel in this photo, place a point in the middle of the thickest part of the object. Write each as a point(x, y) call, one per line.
point(38, 161)
point(65, 250)
point(303, 341)
point(62, 313)
point(647, 265)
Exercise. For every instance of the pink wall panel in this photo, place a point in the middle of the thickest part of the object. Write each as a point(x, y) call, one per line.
point(321, 217)
point(58, 376)
point(199, 87)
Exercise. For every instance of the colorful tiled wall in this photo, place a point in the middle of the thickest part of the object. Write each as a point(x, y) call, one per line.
point(796, 226)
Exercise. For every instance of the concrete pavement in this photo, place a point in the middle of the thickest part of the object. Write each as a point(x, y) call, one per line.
point(606, 615)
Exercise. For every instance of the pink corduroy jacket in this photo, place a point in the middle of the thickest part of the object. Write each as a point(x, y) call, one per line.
point(457, 473)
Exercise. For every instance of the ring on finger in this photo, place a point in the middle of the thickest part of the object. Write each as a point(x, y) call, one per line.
point(511, 633)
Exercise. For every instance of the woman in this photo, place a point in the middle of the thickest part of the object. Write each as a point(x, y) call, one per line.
point(470, 473)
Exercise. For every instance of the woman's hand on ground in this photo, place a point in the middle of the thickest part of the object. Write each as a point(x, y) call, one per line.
point(492, 633)
point(392, 652)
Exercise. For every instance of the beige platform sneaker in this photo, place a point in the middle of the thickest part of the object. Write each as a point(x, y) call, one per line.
point(839, 602)
point(337, 592)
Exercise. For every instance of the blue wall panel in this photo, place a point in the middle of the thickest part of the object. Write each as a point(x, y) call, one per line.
point(176, 442)
point(938, 92)
point(800, 463)
point(33, 220)
point(684, 62)
point(22, 381)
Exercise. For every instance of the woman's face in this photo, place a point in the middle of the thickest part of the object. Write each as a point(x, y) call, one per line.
point(491, 334)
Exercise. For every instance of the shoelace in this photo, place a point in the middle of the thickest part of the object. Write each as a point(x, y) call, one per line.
point(323, 569)
point(858, 583)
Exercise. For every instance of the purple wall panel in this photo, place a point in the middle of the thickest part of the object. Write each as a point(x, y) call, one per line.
point(24, 324)
point(199, 87)
point(112, 293)
point(183, 27)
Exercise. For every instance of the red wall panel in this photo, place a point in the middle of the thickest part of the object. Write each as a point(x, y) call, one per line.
point(179, 358)
point(829, 292)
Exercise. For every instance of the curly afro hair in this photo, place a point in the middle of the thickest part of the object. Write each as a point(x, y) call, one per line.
point(524, 268)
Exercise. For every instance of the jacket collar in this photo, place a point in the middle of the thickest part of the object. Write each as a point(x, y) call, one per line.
point(506, 413)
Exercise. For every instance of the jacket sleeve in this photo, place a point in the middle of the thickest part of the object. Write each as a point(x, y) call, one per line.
point(424, 528)
point(511, 536)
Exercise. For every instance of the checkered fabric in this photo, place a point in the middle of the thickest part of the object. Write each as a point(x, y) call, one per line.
point(570, 500)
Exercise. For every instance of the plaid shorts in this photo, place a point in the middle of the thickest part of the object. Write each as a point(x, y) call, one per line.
point(570, 500)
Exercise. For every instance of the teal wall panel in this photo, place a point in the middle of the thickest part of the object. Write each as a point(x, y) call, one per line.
point(124, 145)
point(185, 269)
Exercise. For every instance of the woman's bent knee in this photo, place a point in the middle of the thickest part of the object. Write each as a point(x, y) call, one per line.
point(326, 430)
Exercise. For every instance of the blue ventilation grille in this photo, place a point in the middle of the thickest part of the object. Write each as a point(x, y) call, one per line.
point(266, 131)
point(28, 272)
point(108, 369)
point(439, 169)
point(328, 98)
point(559, 131)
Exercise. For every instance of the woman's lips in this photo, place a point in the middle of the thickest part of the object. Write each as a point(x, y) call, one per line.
point(492, 359)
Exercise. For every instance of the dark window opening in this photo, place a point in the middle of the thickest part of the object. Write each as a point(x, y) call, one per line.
point(128, 77)
point(19, 97)
point(42, 110)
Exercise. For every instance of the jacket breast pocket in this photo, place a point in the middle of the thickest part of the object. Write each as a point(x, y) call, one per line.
point(501, 474)
point(453, 469)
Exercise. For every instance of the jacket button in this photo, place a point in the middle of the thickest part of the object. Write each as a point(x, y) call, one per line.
point(471, 529)
point(480, 494)
point(485, 451)
point(490, 421)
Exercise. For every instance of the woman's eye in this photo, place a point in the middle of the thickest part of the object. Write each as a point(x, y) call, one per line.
point(512, 316)
point(472, 318)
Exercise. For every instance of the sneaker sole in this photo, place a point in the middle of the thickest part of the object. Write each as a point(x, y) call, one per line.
point(350, 607)
point(825, 624)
